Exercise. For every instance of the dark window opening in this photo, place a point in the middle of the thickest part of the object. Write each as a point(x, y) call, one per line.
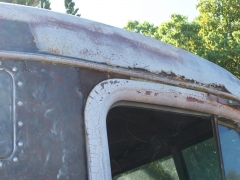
point(155, 144)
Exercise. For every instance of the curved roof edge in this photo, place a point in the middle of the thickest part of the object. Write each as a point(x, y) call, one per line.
point(44, 31)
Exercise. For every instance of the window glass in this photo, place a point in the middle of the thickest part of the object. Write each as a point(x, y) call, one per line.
point(161, 169)
point(6, 121)
point(230, 145)
point(201, 161)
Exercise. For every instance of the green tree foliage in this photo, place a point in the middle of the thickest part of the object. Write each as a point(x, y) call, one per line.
point(202, 161)
point(161, 169)
point(214, 34)
point(69, 6)
point(181, 33)
point(22, 2)
point(178, 32)
point(232, 175)
point(220, 27)
point(45, 4)
point(144, 28)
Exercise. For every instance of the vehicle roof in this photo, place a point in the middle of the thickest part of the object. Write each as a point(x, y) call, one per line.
point(44, 31)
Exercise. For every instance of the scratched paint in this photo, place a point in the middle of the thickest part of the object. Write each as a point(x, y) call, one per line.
point(52, 129)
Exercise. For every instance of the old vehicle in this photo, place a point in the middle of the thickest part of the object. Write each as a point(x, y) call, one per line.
point(84, 100)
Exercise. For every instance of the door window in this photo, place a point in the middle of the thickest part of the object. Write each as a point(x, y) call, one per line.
point(157, 144)
point(230, 146)
point(202, 161)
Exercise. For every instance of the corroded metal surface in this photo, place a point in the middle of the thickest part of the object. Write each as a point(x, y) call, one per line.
point(49, 125)
point(64, 35)
point(214, 89)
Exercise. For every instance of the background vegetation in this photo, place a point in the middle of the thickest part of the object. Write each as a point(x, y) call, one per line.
point(45, 4)
point(213, 35)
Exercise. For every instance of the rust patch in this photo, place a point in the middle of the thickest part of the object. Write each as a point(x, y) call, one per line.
point(54, 50)
point(98, 35)
point(148, 92)
point(191, 99)
point(173, 76)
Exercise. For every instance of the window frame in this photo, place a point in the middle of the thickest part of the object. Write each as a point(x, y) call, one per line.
point(231, 123)
point(105, 94)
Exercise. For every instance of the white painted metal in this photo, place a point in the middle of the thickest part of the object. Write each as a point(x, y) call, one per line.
point(105, 94)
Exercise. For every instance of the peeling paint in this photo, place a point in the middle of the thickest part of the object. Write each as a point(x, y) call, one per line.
point(191, 99)
point(173, 76)
point(102, 84)
point(148, 93)
point(138, 91)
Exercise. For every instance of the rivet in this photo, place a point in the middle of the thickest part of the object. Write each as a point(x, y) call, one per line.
point(1, 164)
point(20, 103)
point(20, 123)
point(19, 83)
point(230, 101)
point(15, 159)
point(14, 69)
point(20, 144)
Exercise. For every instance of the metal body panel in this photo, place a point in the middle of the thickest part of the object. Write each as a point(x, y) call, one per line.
point(64, 35)
point(48, 123)
point(6, 114)
point(50, 141)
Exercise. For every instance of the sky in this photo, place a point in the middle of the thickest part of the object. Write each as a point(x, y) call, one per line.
point(119, 12)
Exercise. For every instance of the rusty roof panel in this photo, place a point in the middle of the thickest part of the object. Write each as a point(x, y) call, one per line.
point(75, 37)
